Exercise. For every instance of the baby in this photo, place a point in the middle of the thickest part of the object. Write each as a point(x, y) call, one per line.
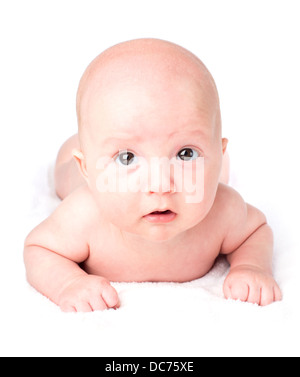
point(144, 187)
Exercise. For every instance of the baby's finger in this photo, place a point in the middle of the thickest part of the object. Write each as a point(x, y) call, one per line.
point(267, 296)
point(97, 303)
point(83, 307)
point(277, 293)
point(236, 291)
point(254, 294)
point(110, 297)
point(240, 291)
point(226, 290)
point(68, 308)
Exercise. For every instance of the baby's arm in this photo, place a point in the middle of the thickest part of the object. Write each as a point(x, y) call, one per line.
point(52, 253)
point(249, 249)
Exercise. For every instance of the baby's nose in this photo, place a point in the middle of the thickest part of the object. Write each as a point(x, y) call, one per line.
point(160, 179)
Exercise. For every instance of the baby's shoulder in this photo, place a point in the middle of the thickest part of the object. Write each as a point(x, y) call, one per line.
point(240, 219)
point(232, 205)
point(229, 208)
point(228, 199)
point(67, 230)
point(79, 205)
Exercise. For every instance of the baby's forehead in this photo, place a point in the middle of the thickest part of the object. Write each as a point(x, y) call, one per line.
point(145, 65)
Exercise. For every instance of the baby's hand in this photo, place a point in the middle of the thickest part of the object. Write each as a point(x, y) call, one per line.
point(88, 293)
point(251, 284)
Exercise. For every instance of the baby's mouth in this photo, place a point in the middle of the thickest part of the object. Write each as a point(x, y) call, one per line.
point(160, 216)
point(161, 212)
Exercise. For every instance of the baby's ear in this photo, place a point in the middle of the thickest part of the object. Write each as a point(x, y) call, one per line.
point(224, 144)
point(80, 160)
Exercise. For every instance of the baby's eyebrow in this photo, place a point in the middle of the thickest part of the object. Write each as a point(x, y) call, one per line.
point(117, 140)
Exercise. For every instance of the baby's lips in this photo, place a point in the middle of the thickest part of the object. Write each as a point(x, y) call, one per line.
point(166, 216)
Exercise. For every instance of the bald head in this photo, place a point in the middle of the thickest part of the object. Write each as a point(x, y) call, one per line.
point(148, 63)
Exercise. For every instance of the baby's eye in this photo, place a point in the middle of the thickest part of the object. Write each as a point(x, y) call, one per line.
point(126, 158)
point(187, 154)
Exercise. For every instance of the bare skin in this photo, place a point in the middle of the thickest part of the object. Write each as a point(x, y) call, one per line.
point(138, 101)
point(68, 177)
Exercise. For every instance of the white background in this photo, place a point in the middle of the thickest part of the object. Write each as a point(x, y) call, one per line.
point(251, 48)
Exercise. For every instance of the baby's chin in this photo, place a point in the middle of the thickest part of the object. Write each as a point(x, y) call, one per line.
point(162, 233)
point(156, 234)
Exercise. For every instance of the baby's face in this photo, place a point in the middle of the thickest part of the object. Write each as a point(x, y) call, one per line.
point(153, 153)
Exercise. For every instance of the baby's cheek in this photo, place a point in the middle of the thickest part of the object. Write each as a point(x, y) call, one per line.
point(120, 208)
point(192, 214)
